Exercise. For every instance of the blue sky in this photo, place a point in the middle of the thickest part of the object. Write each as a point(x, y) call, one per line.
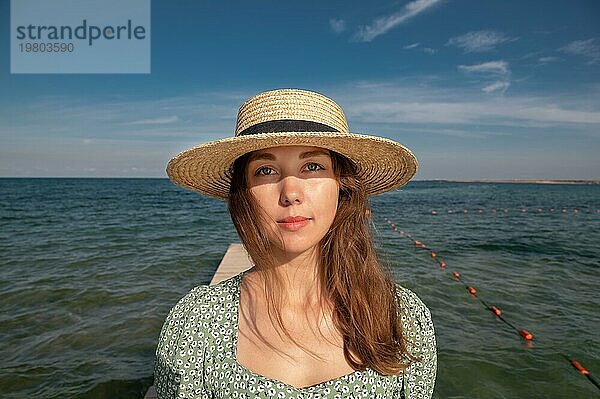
point(477, 89)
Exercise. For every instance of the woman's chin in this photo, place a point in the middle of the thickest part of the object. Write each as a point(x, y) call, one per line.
point(291, 250)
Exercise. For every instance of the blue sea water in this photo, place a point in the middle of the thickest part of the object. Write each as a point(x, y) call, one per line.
point(90, 267)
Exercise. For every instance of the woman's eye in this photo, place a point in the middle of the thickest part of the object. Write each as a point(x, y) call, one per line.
point(264, 171)
point(313, 167)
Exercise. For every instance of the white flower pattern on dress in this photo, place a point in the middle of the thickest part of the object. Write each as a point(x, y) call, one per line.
point(195, 357)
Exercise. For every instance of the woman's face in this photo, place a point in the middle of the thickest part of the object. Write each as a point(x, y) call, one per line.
point(297, 190)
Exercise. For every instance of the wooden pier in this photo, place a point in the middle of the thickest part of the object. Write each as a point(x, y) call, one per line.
point(235, 261)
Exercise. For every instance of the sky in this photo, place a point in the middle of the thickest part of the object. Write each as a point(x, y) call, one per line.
point(476, 89)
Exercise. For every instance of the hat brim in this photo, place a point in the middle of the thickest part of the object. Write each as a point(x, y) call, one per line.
point(383, 164)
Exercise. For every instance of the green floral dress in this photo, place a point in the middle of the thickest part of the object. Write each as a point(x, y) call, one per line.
point(195, 357)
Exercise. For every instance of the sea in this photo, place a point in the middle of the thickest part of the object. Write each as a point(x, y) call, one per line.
point(89, 269)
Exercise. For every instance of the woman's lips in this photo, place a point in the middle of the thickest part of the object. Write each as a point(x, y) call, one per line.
point(293, 223)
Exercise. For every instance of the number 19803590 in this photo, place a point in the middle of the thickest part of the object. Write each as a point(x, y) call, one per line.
point(46, 47)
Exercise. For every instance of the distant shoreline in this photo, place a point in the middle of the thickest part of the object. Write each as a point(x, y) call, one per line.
point(537, 181)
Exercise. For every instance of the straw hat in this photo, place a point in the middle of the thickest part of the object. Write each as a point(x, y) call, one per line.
point(292, 117)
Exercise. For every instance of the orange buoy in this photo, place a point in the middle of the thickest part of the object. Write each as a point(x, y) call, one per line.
point(443, 264)
point(433, 255)
point(418, 243)
point(579, 367)
point(472, 290)
point(526, 335)
point(497, 311)
point(456, 274)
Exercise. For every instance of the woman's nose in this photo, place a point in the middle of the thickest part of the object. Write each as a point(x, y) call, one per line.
point(291, 191)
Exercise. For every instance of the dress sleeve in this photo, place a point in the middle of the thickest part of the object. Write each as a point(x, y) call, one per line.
point(176, 368)
point(419, 377)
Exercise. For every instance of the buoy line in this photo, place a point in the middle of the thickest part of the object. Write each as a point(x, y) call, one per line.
point(534, 210)
point(524, 334)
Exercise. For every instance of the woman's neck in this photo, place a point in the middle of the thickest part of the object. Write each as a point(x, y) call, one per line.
point(299, 275)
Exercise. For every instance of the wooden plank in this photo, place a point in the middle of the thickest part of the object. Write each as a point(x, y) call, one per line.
point(235, 261)
point(151, 394)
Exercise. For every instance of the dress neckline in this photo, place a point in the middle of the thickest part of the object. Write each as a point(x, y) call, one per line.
point(234, 339)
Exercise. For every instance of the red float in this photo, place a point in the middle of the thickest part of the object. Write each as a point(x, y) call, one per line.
point(579, 367)
point(526, 335)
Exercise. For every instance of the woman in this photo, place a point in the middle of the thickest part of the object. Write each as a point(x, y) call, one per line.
point(316, 316)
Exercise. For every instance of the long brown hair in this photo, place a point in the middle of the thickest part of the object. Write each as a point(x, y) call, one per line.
point(361, 292)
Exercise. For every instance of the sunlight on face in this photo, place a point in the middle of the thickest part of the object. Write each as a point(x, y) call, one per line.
point(297, 190)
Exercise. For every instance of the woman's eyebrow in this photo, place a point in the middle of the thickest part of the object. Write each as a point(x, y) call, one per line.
point(262, 155)
point(270, 157)
point(314, 153)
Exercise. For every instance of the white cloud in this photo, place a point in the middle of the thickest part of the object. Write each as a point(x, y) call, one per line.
point(497, 72)
point(547, 60)
point(588, 48)
point(493, 67)
point(337, 25)
point(496, 86)
point(479, 41)
point(384, 24)
point(377, 104)
point(212, 115)
point(426, 50)
point(155, 121)
point(200, 117)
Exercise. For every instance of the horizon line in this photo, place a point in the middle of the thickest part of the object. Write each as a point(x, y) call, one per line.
point(485, 180)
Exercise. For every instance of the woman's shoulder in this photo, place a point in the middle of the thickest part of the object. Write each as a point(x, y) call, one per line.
point(409, 300)
point(213, 296)
point(414, 312)
point(198, 311)
point(419, 378)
